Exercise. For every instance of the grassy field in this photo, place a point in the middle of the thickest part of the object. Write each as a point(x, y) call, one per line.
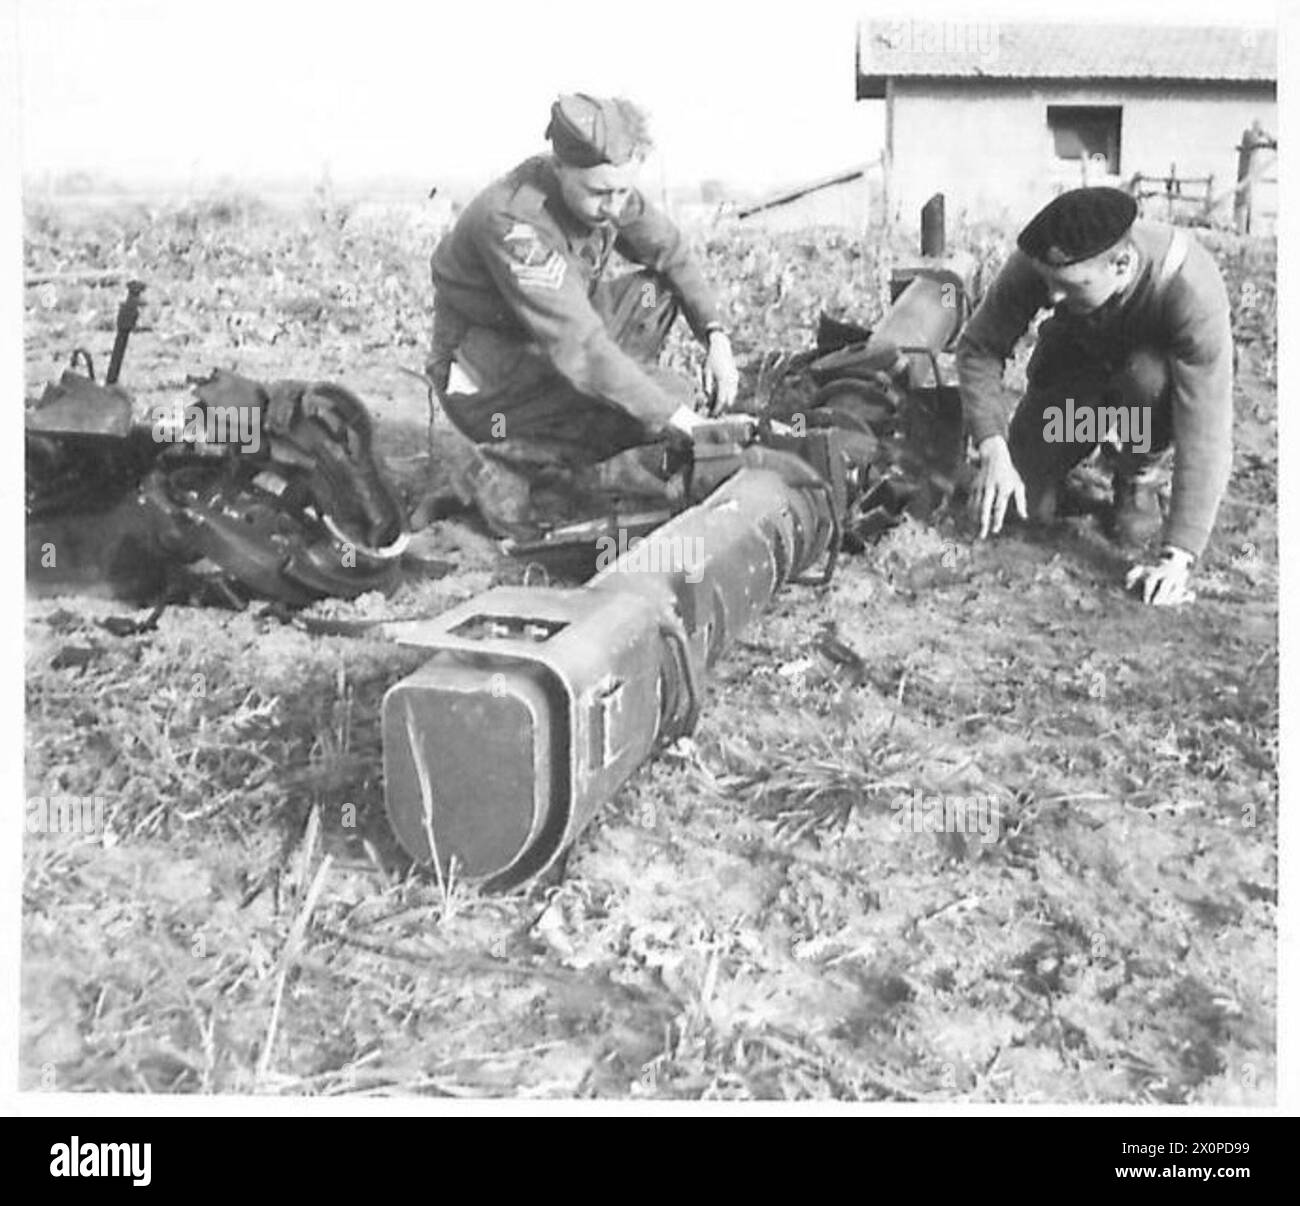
point(746, 920)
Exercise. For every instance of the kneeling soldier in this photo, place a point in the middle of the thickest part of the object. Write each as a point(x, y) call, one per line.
point(541, 359)
point(1136, 357)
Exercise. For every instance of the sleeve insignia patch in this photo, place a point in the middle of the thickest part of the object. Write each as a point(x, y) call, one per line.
point(547, 275)
point(525, 245)
point(535, 264)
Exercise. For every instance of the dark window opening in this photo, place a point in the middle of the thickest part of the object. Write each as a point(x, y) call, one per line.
point(1085, 132)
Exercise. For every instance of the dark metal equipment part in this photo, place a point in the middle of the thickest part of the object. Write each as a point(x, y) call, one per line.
point(933, 239)
point(128, 314)
point(930, 306)
point(276, 490)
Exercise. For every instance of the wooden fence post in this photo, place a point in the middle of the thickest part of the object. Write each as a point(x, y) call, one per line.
point(1253, 141)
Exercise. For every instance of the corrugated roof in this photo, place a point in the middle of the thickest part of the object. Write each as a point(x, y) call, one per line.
point(1013, 50)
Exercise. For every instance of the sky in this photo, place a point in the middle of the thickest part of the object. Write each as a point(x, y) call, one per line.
point(147, 88)
point(752, 93)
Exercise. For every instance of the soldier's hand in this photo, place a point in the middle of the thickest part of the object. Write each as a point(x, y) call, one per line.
point(997, 486)
point(1165, 583)
point(721, 378)
point(682, 423)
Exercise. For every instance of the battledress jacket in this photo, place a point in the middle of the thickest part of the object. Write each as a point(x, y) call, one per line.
point(517, 273)
point(1183, 314)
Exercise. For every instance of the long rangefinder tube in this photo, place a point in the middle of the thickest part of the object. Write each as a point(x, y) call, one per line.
point(537, 704)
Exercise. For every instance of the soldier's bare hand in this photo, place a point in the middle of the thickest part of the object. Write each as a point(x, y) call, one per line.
point(997, 486)
point(721, 378)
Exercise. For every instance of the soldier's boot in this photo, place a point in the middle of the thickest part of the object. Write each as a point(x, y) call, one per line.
point(501, 495)
point(1135, 517)
point(1050, 499)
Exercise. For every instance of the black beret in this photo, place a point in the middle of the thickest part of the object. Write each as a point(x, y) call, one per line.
point(587, 130)
point(1078, 225)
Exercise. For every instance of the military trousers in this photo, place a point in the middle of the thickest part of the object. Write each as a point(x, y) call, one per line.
point(525, 410)
point(1080, 398)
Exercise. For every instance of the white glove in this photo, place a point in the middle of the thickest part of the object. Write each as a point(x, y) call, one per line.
point(721, 378)
point(1165, 583)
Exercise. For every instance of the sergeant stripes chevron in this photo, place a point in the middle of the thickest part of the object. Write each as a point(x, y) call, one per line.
point(547, 275)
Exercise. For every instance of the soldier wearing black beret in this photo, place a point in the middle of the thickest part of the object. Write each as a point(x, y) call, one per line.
point(1136, 357)
point(541, 358)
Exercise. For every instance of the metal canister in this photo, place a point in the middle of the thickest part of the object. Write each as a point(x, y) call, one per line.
point(537, 704)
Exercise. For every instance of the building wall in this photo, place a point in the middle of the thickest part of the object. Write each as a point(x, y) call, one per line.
point(847, 206)
point(987, 145)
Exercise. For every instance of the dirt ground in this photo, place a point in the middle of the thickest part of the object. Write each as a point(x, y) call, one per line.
point(747, 919)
